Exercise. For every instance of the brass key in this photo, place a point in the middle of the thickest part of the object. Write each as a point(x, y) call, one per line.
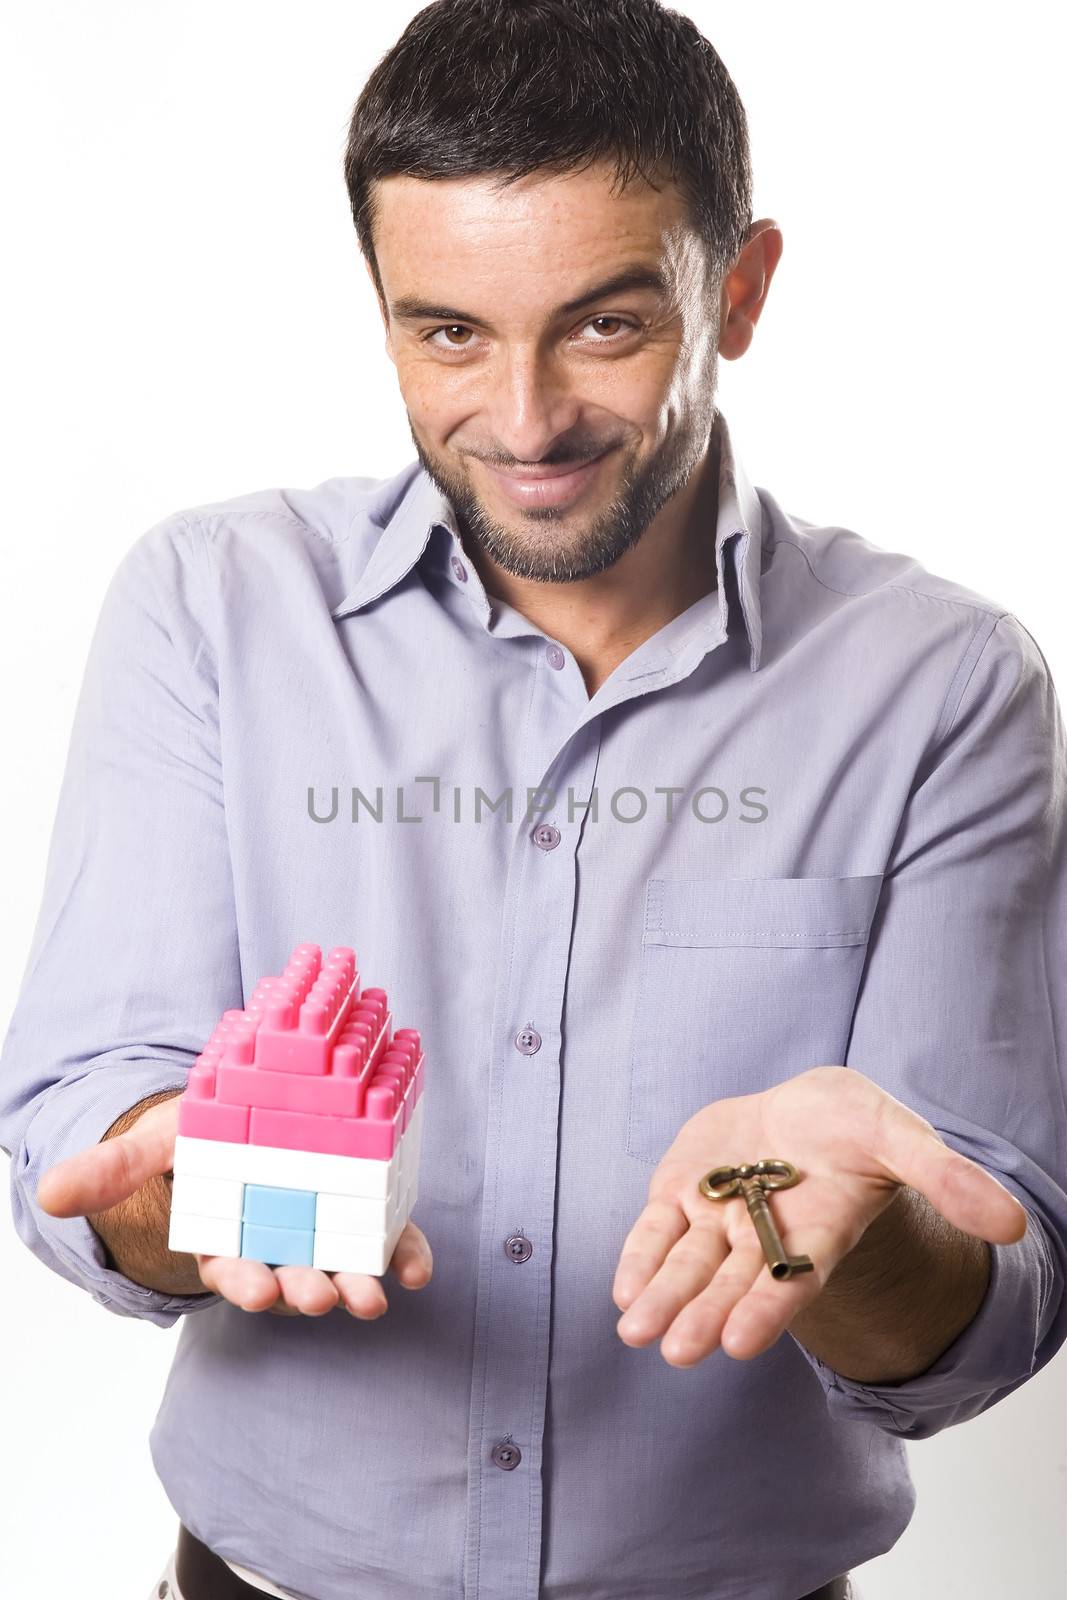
point(751, 1182)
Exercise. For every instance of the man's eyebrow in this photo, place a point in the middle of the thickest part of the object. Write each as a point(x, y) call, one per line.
point(408, 308)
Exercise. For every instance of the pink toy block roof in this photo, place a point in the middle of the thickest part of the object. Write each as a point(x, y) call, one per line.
point(308, 1064)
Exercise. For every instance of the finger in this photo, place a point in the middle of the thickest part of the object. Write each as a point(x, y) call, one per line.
point(412, 1264)
point(106, 1173)
point(767, 1311)
point(250, 1285)
point(306, 1290)
point(361, 1294)
point(644, 1250)
point(965, 1194)
point(698, 1329)
point(758, 1321)
point(688, 1269)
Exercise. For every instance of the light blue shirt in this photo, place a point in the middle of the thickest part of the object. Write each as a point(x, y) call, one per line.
point(818, 818)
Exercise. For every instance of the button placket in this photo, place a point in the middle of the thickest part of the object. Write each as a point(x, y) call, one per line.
point(523, 1090)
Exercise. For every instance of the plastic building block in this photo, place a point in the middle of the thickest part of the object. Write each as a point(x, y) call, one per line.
point(282, 1247)
point(353, 1213)
point(210, 1236)
point(354, 1252)
point(207, 1197)
point(209, 1119)
point(300, 1126)
point(280, 1208)
point(286, 1169)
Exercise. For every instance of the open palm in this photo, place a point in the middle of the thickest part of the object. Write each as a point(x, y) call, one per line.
point(692, 1271)
point(112, 1171)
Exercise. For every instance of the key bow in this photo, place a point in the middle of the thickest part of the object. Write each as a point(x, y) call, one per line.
point(721, 1182)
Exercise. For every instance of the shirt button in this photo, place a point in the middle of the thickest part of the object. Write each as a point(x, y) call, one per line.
point(528, 1041)
point(545, 836)
point(518, 1247)
point(555, 656)
point(506, 1456)
point(459, 569)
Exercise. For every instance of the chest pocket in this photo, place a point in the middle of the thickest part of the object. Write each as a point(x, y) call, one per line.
point(743, 982)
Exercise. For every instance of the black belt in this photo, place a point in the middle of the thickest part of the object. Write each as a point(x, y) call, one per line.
point(202, 1575)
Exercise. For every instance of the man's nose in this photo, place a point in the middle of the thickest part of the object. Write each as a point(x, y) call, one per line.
point(532, 403)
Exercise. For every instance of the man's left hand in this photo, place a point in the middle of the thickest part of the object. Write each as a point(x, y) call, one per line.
point(692, 1270)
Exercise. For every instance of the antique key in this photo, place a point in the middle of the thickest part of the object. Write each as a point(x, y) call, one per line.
point(751, 1182)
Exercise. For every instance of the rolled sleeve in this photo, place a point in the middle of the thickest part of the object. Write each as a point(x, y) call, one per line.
point(135, 952)
point(74, 1114)
point(1003, 1337)
point(962, 1010)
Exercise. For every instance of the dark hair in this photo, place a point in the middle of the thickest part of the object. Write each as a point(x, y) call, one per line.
point(513, 86)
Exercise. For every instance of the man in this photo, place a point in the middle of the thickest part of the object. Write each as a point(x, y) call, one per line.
point(688, 835)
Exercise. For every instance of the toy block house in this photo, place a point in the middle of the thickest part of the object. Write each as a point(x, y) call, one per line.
point(299, 1129)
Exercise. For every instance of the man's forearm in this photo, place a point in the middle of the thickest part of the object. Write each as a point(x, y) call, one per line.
point(135, 1231)
point(896, 1302)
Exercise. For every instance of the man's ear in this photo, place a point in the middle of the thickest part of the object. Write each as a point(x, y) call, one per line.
point(382, 310)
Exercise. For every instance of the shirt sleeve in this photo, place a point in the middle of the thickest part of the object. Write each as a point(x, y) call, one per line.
point(135, 953)
point(962, 1011)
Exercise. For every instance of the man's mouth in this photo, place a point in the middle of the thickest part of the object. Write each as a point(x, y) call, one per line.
point(546, 486)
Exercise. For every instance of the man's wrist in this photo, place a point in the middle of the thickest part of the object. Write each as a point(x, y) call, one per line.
point(128, 1118)
point(906, 1292)
point(134, 1233)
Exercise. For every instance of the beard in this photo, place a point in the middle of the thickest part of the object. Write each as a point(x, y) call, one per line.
point(545, 545)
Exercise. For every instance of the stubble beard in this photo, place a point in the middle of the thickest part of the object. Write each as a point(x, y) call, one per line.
point(544, 543)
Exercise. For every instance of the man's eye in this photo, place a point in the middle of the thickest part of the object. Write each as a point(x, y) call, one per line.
point(450, 327)
point(617, 320)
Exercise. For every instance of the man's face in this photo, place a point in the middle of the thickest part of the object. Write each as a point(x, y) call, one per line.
point(497, 375)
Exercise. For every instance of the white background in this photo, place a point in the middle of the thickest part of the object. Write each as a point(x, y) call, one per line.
point(187, 318)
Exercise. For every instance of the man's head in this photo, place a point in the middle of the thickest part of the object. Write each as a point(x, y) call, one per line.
point(506, 159)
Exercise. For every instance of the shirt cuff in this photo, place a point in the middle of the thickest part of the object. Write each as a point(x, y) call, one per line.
point(73, 1115)
point(993, 1355)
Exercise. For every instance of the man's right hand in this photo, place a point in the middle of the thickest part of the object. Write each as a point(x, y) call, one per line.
point(121, 1187)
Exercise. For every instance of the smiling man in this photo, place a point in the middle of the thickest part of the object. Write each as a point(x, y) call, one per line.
point(573, 438)
point(736, 840)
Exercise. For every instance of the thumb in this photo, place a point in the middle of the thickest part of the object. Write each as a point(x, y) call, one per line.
point(965, 1193)
point(109, 1172)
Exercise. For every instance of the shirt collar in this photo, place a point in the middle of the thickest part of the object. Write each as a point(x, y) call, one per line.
point(415, 507)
